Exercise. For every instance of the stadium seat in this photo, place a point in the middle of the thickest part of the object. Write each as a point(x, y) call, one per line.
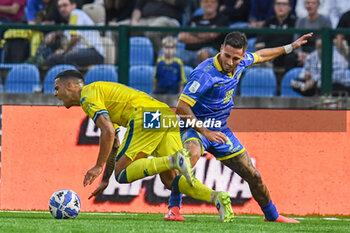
point(23, 78)
point(239, 24)
point(141, 51)
point(259, 82)
point(251, 45)
point(188, 70)
point(96, 12)
point(49, 79)
point(286, 89)
point(198, 12)
point(141, 78)
point(8, 66)
point(102, 72)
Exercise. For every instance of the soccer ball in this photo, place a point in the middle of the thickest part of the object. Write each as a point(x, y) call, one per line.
point(64, 204)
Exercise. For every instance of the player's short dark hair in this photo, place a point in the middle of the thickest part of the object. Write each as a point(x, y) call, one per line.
point(236, 40)
point(70, 74)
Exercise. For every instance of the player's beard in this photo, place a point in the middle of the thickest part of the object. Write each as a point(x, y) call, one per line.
point(225, 67)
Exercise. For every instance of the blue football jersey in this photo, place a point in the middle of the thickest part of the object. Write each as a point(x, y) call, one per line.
point(209, 90)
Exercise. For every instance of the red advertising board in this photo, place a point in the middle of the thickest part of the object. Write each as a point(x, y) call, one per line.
point(301, 154)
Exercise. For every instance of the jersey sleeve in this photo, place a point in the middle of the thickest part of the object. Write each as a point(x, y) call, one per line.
point(32, 9)
point(73, 20)
point(250, 59)
point(182, 77)
point(116, 127)
point(195, 87)
point(92, 103)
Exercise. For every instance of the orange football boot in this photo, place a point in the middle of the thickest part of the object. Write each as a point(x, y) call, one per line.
point(174, 215)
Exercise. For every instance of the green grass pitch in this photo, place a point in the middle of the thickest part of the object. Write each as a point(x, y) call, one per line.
point(20, 221)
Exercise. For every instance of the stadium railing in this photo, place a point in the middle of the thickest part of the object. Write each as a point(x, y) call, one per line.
point(125, 54)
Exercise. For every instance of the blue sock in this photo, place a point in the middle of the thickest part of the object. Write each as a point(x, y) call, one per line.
point(175, 198)
point(270, 211)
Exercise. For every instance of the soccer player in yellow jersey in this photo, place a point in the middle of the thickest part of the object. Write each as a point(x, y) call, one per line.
point(111, 105)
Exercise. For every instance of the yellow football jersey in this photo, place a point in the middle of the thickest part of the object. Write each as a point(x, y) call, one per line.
point(119, 101)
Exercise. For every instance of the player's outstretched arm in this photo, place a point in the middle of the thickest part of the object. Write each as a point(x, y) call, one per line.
point(110, 164)
point(268, 54)
point(106, 143)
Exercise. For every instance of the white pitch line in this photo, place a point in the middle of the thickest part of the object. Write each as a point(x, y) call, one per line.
point(185, 215)
point(46, 212)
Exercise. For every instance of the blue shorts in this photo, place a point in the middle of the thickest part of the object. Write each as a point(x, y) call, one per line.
point(221, 151)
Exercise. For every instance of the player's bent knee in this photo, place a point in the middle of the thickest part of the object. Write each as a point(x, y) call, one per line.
point(196, 152)
point(121, 177)
point(195, 148)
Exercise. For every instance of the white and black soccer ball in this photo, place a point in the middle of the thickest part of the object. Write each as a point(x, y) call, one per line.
point(64, 204)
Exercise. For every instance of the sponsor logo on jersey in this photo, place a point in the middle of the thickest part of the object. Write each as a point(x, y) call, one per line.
point(194, 87)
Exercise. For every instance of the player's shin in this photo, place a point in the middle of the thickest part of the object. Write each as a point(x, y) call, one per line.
point(198, 191)
point(175, 199)
point(142, 168)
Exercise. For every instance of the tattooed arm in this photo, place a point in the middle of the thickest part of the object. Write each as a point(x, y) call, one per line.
point(106, 143)
point(111, 160)
point(108, 169)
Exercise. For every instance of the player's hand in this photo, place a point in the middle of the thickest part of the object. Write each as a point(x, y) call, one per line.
point(301, 41)
point(92, 174)
point(103, 185)
point(215, 136)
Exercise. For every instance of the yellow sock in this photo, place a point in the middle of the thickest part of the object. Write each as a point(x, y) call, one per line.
point(198, 191)
point(147, 167)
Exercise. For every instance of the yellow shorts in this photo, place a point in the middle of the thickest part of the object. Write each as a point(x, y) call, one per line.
point(157, 142)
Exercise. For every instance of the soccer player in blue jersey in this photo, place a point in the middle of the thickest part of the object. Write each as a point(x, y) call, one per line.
point(208, 97)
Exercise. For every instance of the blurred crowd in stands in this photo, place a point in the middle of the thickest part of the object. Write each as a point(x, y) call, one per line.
point(84, 48)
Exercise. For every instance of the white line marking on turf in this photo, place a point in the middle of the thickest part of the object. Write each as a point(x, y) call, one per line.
point(185, 215)
point(46, 212)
